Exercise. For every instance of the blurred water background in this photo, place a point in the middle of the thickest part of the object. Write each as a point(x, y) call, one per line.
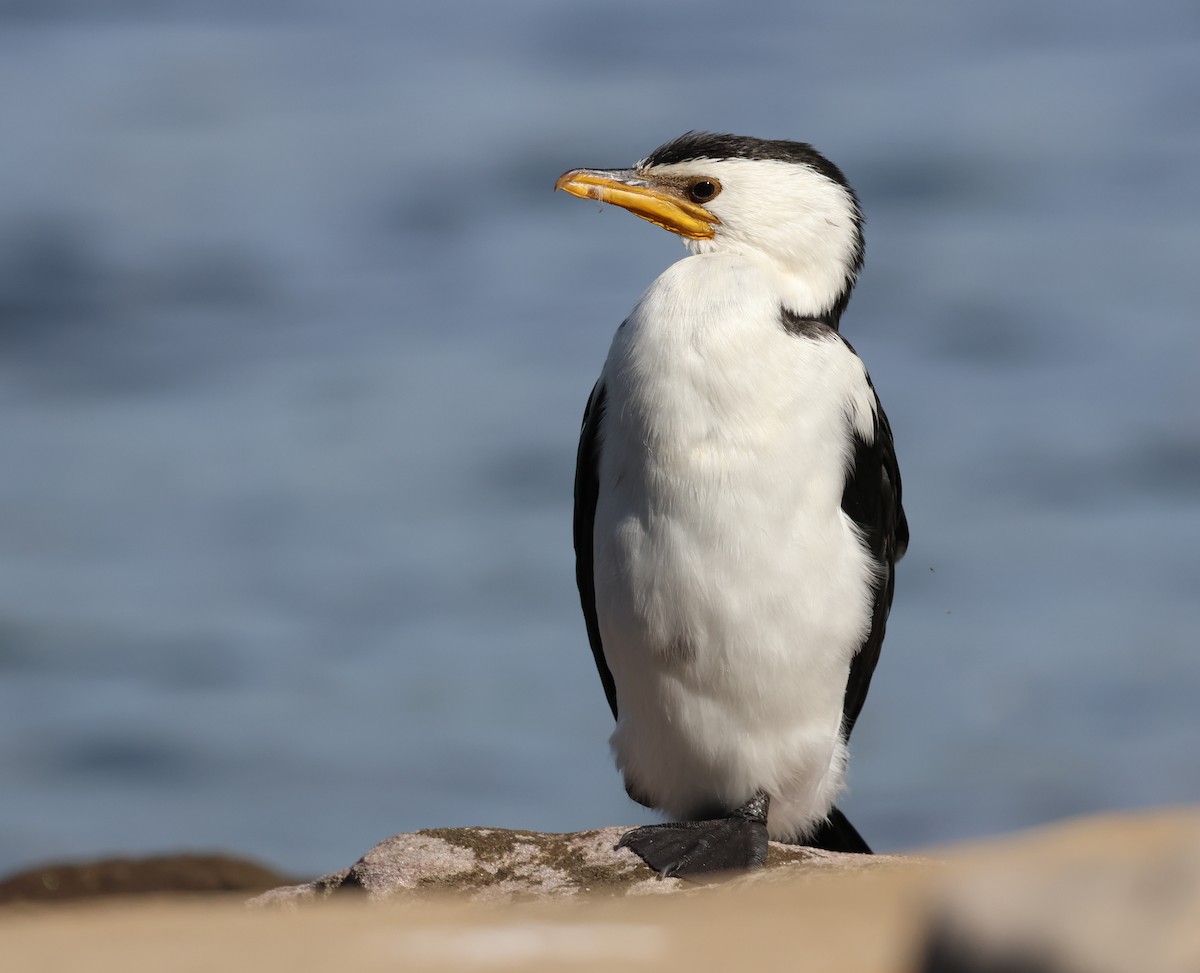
point(295, 339)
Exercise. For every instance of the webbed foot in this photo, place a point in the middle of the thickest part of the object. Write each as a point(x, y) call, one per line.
point(733, 843)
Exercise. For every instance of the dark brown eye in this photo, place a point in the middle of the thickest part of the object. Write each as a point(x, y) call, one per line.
point(702, 190)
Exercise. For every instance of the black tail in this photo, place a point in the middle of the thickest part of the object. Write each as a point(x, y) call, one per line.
point(838, 834)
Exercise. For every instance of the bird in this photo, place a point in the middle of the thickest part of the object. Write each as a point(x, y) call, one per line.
point(738, 512)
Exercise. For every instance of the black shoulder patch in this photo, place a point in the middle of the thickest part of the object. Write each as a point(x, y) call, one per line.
point(802, 327)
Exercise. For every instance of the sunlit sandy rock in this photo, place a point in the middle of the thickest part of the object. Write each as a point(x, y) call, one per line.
point(498, 864)
point(1105, 895)
point(150, 875)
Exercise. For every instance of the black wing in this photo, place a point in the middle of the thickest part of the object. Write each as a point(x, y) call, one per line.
point(587, 486)
point(871, 498)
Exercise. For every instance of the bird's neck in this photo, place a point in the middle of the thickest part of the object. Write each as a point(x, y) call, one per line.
point(809, 290)
point(800, 298)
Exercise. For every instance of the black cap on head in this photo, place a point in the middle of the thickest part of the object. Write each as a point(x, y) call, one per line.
point(706, 145)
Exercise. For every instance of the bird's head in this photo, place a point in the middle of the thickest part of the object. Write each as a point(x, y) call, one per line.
point(729, 193)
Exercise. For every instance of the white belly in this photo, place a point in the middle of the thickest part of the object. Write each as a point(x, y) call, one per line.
point(731, 590)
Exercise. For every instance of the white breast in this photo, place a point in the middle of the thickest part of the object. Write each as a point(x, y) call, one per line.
point(732, 591)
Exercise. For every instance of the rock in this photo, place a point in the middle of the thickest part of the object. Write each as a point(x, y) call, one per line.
point(490, 864)
point(1105, 896)
point(157, 874)
point(1096, 894)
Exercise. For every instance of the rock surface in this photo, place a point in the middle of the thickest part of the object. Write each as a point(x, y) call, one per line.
point(155, 875)
point(495, 864)
point(1119, 892)
point(1075, 900)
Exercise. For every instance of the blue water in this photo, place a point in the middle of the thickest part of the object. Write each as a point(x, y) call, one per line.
point(295, 338)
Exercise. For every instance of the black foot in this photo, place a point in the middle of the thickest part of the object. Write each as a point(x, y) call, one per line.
point(689, 848)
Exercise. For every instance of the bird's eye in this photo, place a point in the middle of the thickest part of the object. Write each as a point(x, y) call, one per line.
point(702, 190)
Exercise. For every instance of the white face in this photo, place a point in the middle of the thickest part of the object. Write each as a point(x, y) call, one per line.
point(800, 219)
point(777, 201)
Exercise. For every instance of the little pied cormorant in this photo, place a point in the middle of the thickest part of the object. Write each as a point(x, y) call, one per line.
point(737, 505)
